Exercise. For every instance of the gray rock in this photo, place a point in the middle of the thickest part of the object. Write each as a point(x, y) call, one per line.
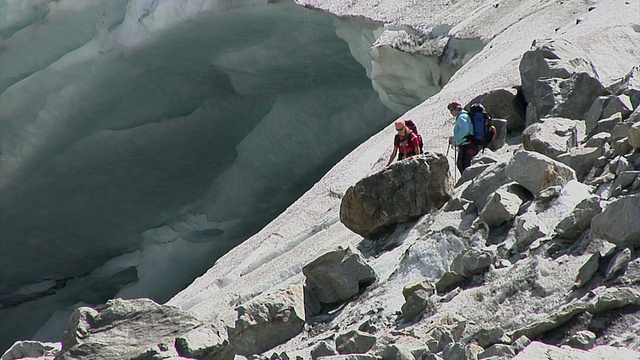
point(537, 172)
point(549, 194)
point(587, 270)
point(595, 112)
point(607, 124)
point(501, 207)
point(472, 262)
point(415, 304)
point(618, 263)
point(538, 350)
point(485, 184)
point(520, 343)
point(618, 223)
point(488, 336)
point(618, 104)
point(634, 135)
point(448, 281)
point(576, 222)
point(417, 348)
point(499, 351)
point(397, 352)
point(355, 342)
point(582, 340)
point(269, 320)
point(551, 58)
point(626, 179)
point(621, 147)
point(580, 159)
point(457, 204)
point(504, 103)
point(568, 98)
point(630, 86)
point(403, 192)
point(32, 349)
point(553, 136)
point(420, 284)
point(445, 339)
point(598, 140)
point(205, 342)
point(323, 349)
point(349, 357)
point(472, 172)
point(621, 130)
point(125, 329)
point(454, 351)
point(527, 229)
point(599, 300)
point(338, 275)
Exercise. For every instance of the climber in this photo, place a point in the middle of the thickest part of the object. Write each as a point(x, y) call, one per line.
point(462, 135)
point(406, 143)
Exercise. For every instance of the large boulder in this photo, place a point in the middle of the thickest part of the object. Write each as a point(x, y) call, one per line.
point(634, 135)
point(403, 192)
point(630, 85)
point(504, 103)
point(618, 223)
point(552, 58)
point(485, 184)
point(32, 350)
point(553, 136)
point(269, 320)
point(536, 172)
point(472, 261)
point(581, 159)
point(338, 275)
point(578, 220)
point(355, 342)
point(502, 206)
point(127, 329)
point(569, 98)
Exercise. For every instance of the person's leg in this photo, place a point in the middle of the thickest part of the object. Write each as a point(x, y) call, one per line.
point(459, 160)
point(468, 152)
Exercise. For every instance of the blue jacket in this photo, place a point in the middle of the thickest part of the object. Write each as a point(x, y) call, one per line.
point(462, 128)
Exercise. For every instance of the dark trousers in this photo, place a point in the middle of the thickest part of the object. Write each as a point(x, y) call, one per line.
point(465, 154)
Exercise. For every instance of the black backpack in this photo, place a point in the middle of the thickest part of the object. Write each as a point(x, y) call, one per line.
point(412, 126)
point(483, 129)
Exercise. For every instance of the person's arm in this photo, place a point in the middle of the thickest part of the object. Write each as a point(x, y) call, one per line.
point(416, 144)
point(393, 155)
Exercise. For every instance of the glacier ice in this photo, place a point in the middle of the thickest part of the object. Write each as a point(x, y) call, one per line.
point(142, 139)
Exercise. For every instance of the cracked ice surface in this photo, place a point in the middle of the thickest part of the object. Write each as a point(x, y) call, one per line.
point(141, 140)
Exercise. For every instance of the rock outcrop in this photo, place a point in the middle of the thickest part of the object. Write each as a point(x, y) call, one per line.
point(140, 328)
point(268, 321)
point(405, 191)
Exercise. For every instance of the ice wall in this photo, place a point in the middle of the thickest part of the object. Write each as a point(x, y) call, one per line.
point(143, 139)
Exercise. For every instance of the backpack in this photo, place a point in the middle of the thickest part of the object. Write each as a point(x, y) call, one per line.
point(412, 126)
point(483, 129)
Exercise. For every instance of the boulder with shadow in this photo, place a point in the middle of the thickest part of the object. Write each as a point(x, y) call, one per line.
point(402, 192)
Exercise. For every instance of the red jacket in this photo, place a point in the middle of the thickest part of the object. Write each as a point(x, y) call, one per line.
point(407, 145)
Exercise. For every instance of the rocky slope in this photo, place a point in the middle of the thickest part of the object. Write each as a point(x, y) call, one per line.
point(536, 241)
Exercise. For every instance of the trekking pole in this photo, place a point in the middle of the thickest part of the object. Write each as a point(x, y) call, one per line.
point(448, 147)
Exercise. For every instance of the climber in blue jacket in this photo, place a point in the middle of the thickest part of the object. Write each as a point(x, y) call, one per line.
point(462, 136)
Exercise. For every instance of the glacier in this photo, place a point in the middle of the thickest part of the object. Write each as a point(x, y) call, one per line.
point(142, 139)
